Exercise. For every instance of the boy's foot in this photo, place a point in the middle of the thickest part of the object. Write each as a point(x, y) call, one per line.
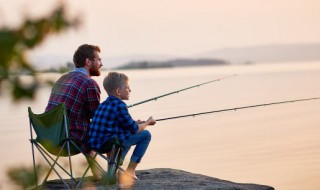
point(125, 187)
point(125, 180)
point(136, 178)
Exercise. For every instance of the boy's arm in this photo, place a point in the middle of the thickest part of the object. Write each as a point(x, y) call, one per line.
point(143, 125)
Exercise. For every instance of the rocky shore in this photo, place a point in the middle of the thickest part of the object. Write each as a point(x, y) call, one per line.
point(169, 179)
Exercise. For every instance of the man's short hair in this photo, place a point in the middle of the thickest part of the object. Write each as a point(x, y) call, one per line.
point(113, 81)
point(83, 52)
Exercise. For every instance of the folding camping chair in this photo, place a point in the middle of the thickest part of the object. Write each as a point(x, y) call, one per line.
point(53, 141)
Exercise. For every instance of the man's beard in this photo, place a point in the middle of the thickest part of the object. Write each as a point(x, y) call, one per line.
point(94, 71)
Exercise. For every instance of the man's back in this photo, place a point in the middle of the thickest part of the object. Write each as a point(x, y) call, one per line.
point(81, 95)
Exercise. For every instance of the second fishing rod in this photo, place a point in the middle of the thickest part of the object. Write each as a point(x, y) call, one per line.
point(177, 91)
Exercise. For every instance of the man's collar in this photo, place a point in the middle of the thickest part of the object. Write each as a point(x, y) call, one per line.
point(82, 70)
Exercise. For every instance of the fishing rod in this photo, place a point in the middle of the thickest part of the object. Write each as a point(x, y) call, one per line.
point(177, 91)
point(238, 108)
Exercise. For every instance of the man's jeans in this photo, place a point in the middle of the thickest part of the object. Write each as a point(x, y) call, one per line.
point(141, 140)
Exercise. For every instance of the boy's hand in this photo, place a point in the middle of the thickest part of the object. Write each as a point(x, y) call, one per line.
point(151, 121)
point(139, 121)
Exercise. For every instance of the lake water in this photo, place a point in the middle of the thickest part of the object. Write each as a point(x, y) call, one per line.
point(275, 145)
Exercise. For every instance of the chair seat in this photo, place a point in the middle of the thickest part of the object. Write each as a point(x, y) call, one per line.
point(107, 146)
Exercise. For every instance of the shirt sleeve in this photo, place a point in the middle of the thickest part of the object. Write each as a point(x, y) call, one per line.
point(93, 97)
point(125, 120)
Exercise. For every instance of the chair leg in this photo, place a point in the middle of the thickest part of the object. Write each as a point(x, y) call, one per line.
point(52, 159)
point(110, 178)
point(70, 164)
point(115, 160)
point(51, 168)
point(82, 178)
point(34, 164)
point(104, 179)
point(93, 162)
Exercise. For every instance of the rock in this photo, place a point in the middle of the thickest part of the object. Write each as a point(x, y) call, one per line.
point(168, 179)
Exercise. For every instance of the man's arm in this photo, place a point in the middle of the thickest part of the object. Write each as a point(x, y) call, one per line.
point(93, 93)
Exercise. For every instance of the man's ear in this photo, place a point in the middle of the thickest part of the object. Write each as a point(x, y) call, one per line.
point(88, 62)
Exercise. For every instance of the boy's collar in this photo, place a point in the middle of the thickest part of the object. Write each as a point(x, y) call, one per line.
point(113, 96)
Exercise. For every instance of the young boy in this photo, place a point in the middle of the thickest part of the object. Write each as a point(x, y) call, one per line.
point(113, 119)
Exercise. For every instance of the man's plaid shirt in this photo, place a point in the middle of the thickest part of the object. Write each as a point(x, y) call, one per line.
point(111, 119)
point(81, 95)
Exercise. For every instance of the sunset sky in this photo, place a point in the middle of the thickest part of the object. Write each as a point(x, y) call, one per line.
point(173, 27)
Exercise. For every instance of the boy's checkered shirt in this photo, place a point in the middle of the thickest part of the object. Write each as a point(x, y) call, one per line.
point(111, 118)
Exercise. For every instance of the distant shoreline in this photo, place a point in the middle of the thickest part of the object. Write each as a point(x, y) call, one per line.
point(172, 63)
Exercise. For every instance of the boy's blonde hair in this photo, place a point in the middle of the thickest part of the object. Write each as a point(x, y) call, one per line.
point(113, 81)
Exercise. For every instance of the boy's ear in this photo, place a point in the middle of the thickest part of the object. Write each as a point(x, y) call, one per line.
point(118, 91)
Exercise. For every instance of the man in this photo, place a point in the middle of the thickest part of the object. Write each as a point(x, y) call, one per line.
point(79, 92)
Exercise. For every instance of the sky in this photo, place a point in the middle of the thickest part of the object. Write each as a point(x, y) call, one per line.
point(172, 27)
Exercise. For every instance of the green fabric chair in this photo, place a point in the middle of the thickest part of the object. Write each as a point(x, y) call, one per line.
point(53, 141)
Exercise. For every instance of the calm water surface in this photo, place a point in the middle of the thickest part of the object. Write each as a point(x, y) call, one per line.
point(275, 145)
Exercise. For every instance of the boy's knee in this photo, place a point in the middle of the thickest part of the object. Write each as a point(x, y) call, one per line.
point(147, 134)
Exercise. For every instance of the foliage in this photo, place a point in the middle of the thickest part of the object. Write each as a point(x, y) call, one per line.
point(24, 177)
point(63, 69)
point(14, 44)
